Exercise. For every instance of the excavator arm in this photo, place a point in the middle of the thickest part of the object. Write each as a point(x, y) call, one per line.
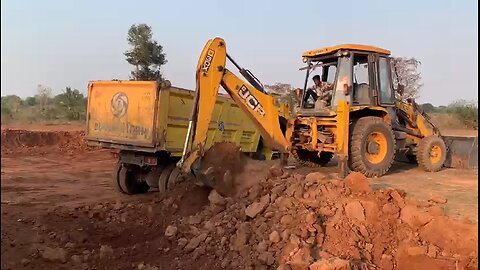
point(252, 100)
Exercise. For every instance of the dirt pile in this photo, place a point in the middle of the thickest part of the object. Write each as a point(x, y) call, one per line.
point(24, 141)
point(285, 221)
point(296, 222)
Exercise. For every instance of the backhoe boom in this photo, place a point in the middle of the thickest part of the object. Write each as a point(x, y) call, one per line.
point(253, 101)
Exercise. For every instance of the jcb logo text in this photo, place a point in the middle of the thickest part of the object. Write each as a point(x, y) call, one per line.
point(208, 60)
point(251, 101)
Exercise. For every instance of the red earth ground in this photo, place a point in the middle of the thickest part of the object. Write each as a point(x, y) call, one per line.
point(61, 211)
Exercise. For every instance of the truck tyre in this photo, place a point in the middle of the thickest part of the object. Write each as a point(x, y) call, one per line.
point(128, 182)
point(174, 178)
point(431, 153)
point(163, 179)
point(116, 176)
point(372, 147)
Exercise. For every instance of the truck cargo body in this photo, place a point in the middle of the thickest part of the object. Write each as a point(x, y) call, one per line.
point(141, 116)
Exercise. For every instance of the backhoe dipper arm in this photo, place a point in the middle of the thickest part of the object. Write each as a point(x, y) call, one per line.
point(259, 106)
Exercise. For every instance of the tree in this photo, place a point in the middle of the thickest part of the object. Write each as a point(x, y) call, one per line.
point(10, 105)
point(428, 107)
point(31, 101)
point(44, 94)
point(285, 91)
point(72, 102)
point(405, 72)
point(146, 54)
point(466, 111)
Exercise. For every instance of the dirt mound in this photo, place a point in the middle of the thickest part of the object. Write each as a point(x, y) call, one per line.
point(284, 221)
point(296, 222)
point(24, 141)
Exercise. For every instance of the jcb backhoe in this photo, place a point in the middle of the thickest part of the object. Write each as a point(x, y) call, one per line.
point(364, 125)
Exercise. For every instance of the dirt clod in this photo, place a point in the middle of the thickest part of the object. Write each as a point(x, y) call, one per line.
point(170, 231)
point(54, 254)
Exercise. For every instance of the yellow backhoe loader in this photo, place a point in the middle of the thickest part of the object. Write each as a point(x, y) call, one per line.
point(363, 125)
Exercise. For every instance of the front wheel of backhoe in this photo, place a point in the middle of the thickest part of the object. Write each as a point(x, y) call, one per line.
point(431, 153)
point(372, 147)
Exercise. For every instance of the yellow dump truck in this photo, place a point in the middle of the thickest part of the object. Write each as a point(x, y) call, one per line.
point(147, 122)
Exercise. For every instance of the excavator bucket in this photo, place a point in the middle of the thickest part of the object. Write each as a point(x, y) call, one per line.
point(462, 152)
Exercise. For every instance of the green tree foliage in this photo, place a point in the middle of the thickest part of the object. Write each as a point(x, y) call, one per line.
point(72, 103)
point(466, 111)
point(428, 107)
point(145, 54)
point(12, 103)
point(31, 101)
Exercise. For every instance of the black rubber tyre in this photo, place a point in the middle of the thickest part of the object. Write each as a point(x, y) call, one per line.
point(431, 153)
point(369, 135)
point(163, 179)
point(311, 158)
point(129, 184)
point(116, 176)
point(173, 178)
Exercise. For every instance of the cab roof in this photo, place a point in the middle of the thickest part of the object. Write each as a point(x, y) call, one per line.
point(353, 47)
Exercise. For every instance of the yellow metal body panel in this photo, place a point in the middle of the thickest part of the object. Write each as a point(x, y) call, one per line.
point(122, 111)
point(334, 49)
point(165, 117)
point(266, 117)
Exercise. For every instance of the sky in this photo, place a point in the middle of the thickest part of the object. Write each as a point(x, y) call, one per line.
point(69, 43)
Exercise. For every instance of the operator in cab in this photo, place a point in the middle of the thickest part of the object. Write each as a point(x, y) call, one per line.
point(321, 93)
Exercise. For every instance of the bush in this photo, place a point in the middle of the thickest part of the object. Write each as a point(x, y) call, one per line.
point(466, 111)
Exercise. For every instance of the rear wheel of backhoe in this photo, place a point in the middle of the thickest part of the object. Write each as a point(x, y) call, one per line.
point(311, 158)
point(372, 147)
point(128, 183)
point(431, 153)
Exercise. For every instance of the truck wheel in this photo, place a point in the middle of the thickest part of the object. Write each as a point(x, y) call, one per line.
point(128, 182)
point(163, 179)
point(116, 177)
point(372, 147)
point(431, 153)
point(174, 178)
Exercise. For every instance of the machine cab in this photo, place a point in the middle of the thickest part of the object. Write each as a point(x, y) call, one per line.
point(357, 74)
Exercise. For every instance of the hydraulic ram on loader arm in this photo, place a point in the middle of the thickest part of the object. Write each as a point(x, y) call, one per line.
point(253, 100)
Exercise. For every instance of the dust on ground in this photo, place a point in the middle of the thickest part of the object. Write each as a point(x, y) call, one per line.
point(60, 211)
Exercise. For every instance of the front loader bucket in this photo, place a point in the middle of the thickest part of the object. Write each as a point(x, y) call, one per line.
point(462, 152)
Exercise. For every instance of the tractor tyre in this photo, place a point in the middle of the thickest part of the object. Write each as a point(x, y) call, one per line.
point(431, 153)
point(372, 147)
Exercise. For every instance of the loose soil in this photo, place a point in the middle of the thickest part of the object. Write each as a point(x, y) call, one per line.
point(60, 211)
